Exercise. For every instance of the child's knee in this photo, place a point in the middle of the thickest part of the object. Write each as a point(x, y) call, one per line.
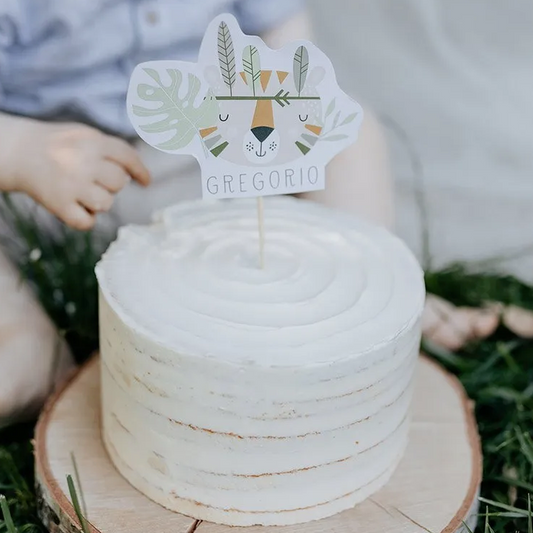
point(33, 356)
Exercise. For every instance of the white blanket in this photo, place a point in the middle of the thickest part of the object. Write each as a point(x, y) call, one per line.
point(456, 78)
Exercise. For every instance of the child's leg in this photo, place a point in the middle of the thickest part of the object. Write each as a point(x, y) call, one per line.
point(32, 355)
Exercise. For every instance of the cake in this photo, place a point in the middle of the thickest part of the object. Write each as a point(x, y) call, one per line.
point(240, 395)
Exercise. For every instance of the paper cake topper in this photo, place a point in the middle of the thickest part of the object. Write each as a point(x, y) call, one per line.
point(259, 121)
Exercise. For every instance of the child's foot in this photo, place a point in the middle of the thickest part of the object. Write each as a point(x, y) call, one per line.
point(452, 327)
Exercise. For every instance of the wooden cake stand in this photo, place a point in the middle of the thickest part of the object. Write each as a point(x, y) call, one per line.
point(434, 489)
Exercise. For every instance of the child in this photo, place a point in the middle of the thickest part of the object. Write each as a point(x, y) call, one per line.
point(64, 70)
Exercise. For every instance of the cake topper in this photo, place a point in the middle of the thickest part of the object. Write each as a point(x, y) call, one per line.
point(259, 121)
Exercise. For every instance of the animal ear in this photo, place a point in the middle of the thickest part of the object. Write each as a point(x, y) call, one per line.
point(316, 76)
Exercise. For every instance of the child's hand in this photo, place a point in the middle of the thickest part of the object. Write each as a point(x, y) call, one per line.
point(71, 169)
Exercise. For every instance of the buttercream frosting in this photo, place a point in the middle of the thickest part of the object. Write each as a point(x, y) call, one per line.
point(243, 395)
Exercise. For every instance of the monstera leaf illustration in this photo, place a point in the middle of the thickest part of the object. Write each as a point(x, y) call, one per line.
point(177, 115)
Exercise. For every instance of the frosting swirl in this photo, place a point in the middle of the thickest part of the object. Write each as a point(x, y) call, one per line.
point(332, 286)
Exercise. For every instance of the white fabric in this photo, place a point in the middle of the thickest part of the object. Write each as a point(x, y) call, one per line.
point(455, 76)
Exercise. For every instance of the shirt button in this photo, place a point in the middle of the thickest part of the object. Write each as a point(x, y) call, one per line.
point(152, 17)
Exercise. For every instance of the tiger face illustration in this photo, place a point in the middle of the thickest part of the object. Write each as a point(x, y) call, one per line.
point(276, 125)
point(259, 121)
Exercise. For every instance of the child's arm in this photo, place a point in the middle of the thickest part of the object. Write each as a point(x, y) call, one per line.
point(71, 169)
point(359, 179)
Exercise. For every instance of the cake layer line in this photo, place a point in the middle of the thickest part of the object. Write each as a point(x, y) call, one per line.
point(286, 416)
point(269, 437)
point(244, 518)
point(192, 394)
point(229, 476)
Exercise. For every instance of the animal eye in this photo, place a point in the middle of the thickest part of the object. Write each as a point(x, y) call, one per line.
point(303, 118)
point(223, 119)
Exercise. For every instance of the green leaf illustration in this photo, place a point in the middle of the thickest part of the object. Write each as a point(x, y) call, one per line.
point(330, 109)
point(336, 120)
point(251, 64)
point(179, 114)
point(348, 119)
point(300, 68)
point(338, 137)
point(226, 56)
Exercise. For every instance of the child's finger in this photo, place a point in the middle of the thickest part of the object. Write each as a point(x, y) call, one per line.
point(111, 176)
point(121, 152)
point(77, 217)
point(96, 198)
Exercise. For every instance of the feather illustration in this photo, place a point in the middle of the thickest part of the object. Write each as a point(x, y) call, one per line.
point(251, 65)
point(226, 56)
point(300, 68)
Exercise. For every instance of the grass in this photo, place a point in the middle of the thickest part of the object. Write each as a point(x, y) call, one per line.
point(497, 375)
point(60, 268)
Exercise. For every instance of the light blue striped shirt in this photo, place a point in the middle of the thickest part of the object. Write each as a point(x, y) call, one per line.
point(73, 58)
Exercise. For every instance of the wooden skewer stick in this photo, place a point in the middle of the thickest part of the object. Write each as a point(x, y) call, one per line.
point(261, 227)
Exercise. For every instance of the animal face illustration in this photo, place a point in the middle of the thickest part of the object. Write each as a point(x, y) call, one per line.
point(274, 120)
point(246, 107)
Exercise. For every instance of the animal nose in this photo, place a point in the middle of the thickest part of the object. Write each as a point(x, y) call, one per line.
point(261, 133)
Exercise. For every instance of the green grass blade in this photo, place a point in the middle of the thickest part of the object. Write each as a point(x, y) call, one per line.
point(466, 526)
point(505, 351)
point(488, 529)
point(76, 504)
point(78, 484)
point(516, 483)
point(504, 514)
point(12, 472)
point(8, 520)
point(530, 517)
point(443, 355)
point(504, 506)
point(525, 445)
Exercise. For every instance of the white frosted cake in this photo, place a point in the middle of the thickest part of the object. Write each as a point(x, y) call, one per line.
point(241, 395)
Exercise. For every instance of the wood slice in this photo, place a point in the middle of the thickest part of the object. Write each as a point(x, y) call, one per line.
point(434, 489)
